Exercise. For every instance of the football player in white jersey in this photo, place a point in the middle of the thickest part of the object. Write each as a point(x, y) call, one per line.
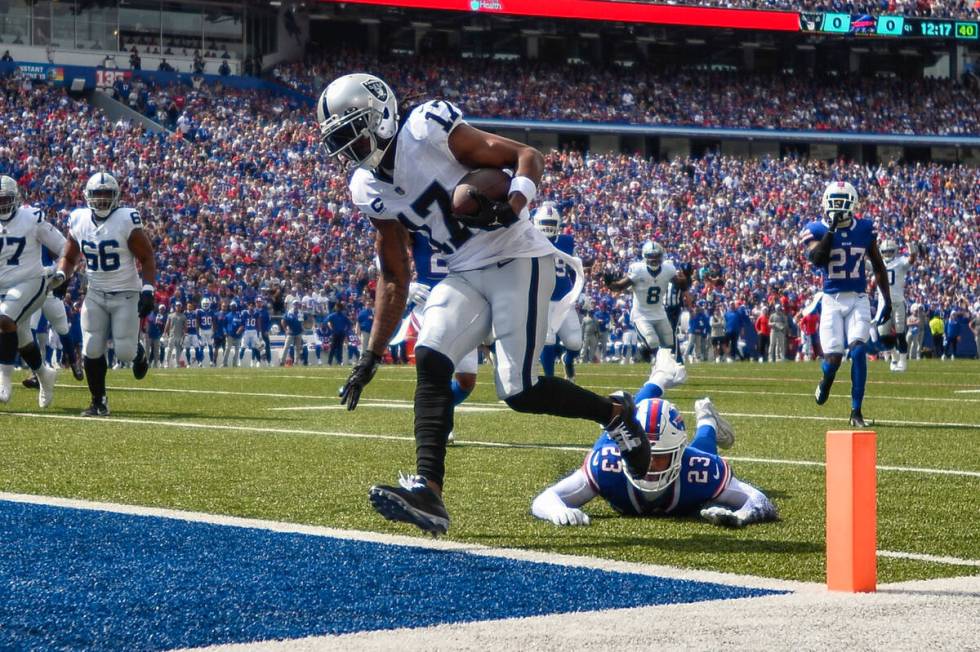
point(501, 275)
point(23, 287)
point(891, 333)
point(112, 240)
point(649, 280)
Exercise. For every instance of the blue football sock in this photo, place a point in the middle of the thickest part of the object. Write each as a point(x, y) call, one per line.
point(829, 371)
point(569, 360)
point(459, 394)
point(548, 360)
point(859, 375)
point(706, 439)
point(649, 390)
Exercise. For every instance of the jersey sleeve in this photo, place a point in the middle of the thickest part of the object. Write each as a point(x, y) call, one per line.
point(51, 238)
point(74, 223)
point(670, 268)
point(634, 271)
point(812, 232)
point(433, 121)
point(366, 198)
point(130, 220)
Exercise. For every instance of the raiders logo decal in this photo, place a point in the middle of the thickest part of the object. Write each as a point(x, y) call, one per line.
point(377, 88)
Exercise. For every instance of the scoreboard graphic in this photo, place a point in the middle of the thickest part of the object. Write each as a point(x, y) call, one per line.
point(894, 26)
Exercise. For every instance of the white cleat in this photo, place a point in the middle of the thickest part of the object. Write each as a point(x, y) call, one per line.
point(724, 433)
point(45, 378)
point(451, 439)
point(5, 384)
point(903, 362)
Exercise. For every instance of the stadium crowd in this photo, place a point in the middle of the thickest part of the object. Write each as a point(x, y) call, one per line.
point(542, 91)
point(241, 205)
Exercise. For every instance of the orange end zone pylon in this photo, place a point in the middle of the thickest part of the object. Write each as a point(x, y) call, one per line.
point(851, 511)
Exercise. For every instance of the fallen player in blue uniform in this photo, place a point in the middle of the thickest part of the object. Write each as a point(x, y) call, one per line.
point(683, 478)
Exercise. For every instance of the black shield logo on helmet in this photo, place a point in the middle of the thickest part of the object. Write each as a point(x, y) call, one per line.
point(377, 88)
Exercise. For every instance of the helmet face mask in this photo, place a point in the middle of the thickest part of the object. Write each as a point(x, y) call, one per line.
point(547, 220)
point(653, 255)
point(9, 197)
point(839, 201)
point(358, 118)
point(664, 426)
point(889, 249)
point(102, 194)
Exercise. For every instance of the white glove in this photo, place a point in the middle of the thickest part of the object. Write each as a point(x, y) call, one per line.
point(723, 516)
point(56, 278)
point(418, 293)
point(569, 516)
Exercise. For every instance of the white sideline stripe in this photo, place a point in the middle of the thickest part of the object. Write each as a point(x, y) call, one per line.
point(935, 559)
point(411, 438)
point(555, 559)
point(384, 403)
point(967, 391)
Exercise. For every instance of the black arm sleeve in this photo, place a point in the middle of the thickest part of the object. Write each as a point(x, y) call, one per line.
point(820, 255)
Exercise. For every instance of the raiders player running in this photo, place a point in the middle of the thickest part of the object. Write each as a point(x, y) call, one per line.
point(650, 280)
point(112, 239)
point(501, 276)
point(23, 287)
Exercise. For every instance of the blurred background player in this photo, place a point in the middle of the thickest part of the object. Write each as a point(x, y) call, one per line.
point(683, 478)
point(649, 280)
point(569, 330)
point(121, 272)
point(193, 351)
point(837, 246)
point(206, 321)
point(892, 333)
point(23, 287)
point(175, 331)
point(154, 335)
point(234, 328)
point(251, 342)
point(292, 329)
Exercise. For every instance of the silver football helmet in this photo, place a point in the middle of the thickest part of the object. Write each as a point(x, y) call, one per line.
point(9, 197)
point(840, 197)
point(102, 194)
point(547, 219)
point(358, 118)
point(205, 303)
point(889, 249)
point(664, 426)
point(653, 254)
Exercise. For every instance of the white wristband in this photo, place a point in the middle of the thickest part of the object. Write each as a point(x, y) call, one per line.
point(147, 287)
point(524, 186)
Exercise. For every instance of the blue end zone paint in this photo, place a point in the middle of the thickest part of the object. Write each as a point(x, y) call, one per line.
point(87, 579)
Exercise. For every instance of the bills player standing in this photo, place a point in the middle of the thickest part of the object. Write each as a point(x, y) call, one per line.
point(891, 333)
point(837, 247)
point(23, 287)
point(547, 220)
point(206, 321)
point(683, 478)
point(650, 280)
point(117, 254)
point(193, 351)
point(501, 275)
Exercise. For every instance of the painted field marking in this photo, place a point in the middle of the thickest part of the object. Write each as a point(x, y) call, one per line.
point(731, 579)
point(967, 391)
point(411, 438)
point(556, 559)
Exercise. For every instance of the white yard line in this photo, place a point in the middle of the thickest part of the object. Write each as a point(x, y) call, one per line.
point(935, 559)
point(411, 438)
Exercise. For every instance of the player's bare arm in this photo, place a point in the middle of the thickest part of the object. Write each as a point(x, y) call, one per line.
point(70, 258)
point(395, 276)
point(140, 245)
point(479, 149)
point(389, 304)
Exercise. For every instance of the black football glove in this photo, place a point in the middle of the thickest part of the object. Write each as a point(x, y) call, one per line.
point(360, 376)
point(608, 277)
point(145, 306)
point(836, 219)
point(491, 214)
point(884, 314)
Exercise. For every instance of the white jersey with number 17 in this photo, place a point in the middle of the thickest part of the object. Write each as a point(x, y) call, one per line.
point(650, 290)
point(420, 196)
point(110, 265)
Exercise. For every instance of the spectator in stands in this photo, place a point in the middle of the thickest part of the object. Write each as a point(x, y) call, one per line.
point(224, 69)
point(135, 63)
point(164, 66)
point(6, 58)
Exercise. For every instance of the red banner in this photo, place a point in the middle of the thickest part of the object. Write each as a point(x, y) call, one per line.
point(626, 12)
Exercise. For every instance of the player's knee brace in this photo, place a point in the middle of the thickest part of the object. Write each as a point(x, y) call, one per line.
point(433, 411)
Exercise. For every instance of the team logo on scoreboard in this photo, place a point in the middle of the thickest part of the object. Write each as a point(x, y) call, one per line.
point(810, 21)
point(377, 88)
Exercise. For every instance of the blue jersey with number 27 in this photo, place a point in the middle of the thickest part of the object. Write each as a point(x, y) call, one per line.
point(845, 269)
point(703, 477)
